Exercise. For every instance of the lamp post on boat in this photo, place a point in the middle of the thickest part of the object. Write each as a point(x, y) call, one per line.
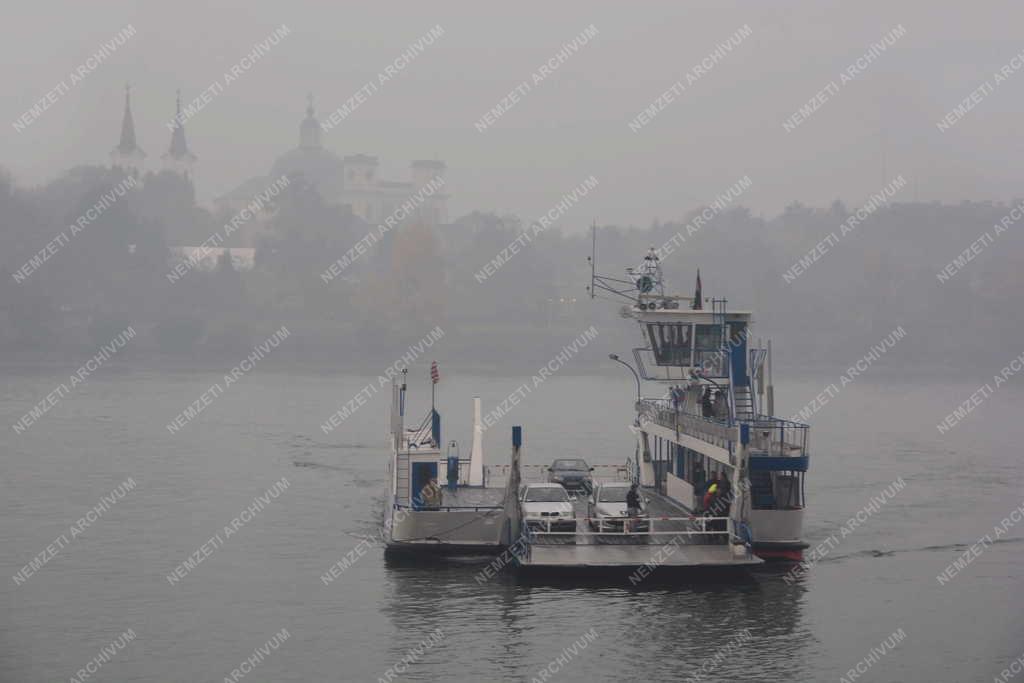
point(616, 358)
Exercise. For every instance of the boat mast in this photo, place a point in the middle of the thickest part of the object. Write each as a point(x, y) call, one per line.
point(593, 256)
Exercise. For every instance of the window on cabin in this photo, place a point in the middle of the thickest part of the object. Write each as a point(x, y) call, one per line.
point(670, 343)
point(709, 337)
point(708, 351)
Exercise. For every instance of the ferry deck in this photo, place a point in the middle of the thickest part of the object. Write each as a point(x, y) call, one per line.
point(670, 538)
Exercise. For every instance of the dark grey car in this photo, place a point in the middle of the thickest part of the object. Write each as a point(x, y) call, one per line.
point(572, 473)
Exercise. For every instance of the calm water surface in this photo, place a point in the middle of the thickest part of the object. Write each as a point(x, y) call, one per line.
point(266, 577)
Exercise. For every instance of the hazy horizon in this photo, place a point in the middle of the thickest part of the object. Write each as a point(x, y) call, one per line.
point(572, 124)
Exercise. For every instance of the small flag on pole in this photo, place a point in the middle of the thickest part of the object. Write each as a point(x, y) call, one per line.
point(435, 374)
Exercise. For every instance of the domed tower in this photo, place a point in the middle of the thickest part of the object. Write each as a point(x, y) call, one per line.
point(309, 129)
point(128, 156)
point(311, 161)
point(178, 157)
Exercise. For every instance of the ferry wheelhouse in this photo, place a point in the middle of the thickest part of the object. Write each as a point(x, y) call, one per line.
point(715, 415)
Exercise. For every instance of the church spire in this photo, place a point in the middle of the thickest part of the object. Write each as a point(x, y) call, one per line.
point(179, 147)
point(127, 154)
point(309, 130)
point(178, 157)
point(127, 143)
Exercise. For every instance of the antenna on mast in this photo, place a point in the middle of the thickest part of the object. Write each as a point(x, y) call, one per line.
point(593, 257)
point(627, 289)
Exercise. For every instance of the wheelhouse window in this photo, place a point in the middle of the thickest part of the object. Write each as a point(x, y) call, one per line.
point(670, 343)
point(709, 337)
point(708, 352)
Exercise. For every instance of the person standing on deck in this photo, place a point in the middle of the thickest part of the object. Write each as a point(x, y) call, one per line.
point(724, 496)
point(707, 406)
point(678, 396)
point(721, 405)
point(710, 494)
point(632, 506)
point(431, 494)
point(633, 501)
point(699, 478)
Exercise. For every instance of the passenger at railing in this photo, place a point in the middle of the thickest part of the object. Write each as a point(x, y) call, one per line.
point(710, 492)
point(678, 397)
point(699, 479)
point(719, 507)
point(724, 499)
point(721, 405)
point(706, 404)
point(431, 495)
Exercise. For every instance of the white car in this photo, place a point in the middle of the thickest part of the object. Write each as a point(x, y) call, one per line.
point(546, 507)
point(607, 509)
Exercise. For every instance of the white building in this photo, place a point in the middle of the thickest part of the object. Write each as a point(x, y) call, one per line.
point(353, 180)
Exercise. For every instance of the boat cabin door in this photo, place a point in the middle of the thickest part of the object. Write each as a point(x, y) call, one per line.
point(422, 473)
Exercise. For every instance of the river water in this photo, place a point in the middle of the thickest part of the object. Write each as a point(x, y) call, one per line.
point(264, 577)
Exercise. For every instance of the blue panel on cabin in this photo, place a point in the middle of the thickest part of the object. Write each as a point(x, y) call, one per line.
point(453, 472)
point(517, 436)
point(776, 464)
point(738, 358)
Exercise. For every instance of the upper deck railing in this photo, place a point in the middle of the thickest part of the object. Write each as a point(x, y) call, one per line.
point(768, 435)
point(660, 411)
point(777, 437)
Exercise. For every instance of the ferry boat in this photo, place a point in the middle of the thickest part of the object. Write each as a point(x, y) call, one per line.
point(441, 505)
point(714, 421)
point(716, 415)
point(436, 502)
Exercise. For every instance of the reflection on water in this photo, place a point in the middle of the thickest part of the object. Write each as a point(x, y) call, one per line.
point(518, 624)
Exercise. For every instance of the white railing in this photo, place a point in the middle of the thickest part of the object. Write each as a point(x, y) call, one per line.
point(698, 529)
point(709, 429)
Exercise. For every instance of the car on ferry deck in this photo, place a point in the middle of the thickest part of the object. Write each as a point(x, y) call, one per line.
point(572, 473)
point(607, 509)
point(547, 504)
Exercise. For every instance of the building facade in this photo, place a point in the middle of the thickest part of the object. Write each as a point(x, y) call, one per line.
point(352, 180)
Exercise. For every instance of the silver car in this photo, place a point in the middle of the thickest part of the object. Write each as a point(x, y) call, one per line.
point(607, 510)
point(546, 507)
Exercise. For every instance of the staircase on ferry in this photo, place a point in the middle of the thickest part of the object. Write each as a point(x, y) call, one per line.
point(744, 402)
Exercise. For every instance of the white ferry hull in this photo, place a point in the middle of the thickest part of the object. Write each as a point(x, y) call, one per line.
point(777, 534)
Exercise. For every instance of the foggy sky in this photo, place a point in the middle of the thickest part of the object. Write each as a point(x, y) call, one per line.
point(571, 125)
